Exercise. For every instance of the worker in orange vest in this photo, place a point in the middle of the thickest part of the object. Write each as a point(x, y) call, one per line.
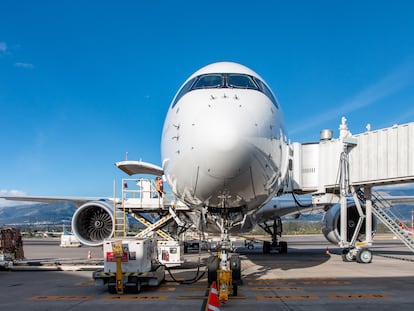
point(159, 186)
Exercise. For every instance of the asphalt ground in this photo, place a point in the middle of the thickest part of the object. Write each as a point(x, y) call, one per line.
point(312, 276)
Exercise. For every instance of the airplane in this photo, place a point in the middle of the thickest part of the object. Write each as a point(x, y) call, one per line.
point(225, 154)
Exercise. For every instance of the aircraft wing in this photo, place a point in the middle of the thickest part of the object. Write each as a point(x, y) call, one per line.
point(76, 200)
point(288, 205)
point(139, 167)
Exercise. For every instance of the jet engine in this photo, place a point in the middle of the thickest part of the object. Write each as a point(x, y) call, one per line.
point(331, 224)
point(93, 222)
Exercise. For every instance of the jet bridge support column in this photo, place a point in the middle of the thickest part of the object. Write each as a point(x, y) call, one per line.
point(347, 142)
point(368, 215)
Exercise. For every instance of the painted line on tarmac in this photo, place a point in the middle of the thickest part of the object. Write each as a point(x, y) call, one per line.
point(196, 289)
point(43, 298)
point(268, 288)
point(359, 296)
point(136, 298)
point(165, 289)
point(286, 297)
point(326, 282)
point(190, 297)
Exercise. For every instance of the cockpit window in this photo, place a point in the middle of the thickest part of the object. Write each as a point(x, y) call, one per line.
point(267, 92)
point(225, 80)
point(208, 82)
point(241, 81)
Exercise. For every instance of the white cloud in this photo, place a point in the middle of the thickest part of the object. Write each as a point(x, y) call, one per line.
point(5, 192)
point(24, 65)
point(12, 193)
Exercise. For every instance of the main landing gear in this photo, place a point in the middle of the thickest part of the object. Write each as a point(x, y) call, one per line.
point(274, 228)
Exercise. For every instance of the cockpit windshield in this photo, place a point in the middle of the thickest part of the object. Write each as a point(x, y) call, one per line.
point(241, 82)
point(208, 82)
point(225, 80)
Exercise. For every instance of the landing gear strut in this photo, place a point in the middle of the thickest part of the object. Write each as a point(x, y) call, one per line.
point(274, 228)
point(225, 269)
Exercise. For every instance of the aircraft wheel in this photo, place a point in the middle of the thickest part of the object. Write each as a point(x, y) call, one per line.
point(283, 247)
point(266, 247)
point(212, 267)
point(347, 255)
point(235, 288)
point(364, 255)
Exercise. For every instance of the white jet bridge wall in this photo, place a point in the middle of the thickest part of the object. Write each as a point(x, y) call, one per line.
point(379, 157)
point(385, 155)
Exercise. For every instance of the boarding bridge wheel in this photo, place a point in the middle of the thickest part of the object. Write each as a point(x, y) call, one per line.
point(360, 255)
point(348, 255)
point(364, 255)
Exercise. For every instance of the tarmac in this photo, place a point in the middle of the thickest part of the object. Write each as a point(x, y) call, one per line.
point(312, 276)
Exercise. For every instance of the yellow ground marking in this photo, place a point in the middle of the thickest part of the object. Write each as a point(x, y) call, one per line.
point(269, 288)
point(165, 289)
point(359, 296)
point(326, 282)
point(293, 297)
point(127, 297)
point(86, 283)
point(205, 297)
point(61, 297)
point(196, 289)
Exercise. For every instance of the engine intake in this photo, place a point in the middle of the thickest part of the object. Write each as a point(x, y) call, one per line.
point(331, 224)
point(93, 222)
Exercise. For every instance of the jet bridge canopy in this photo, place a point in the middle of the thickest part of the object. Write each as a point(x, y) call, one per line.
point(379, 157)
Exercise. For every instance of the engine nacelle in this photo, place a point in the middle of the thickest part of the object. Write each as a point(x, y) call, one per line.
point(93, 222)
point(331, 223)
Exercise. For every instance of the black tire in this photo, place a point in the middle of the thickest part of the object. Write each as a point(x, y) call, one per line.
point(346, 255)
point(212, 267)
point(364, 255)
point(235, 288)
point(137, 285)
point(111, 285)
point(266, 247)
point(283, 247)
point(235, 266)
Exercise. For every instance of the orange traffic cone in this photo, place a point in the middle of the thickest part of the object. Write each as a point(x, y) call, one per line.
point(327, 252)
point(89, 255)
point(213, 299)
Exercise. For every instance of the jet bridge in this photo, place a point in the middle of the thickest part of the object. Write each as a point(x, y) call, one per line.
point(334, 170)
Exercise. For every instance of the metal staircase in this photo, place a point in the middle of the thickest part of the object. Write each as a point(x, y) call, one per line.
point(381, 208)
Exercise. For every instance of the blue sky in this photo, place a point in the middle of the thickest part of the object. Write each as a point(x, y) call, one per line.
point(83, 82)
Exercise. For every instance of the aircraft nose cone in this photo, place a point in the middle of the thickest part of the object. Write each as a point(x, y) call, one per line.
point(222, 151)
point(223, 136)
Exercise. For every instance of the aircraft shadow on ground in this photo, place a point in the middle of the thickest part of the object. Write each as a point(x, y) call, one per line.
point(294, 259)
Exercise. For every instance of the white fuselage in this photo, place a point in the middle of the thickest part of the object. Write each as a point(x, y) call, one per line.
point(224, 144)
